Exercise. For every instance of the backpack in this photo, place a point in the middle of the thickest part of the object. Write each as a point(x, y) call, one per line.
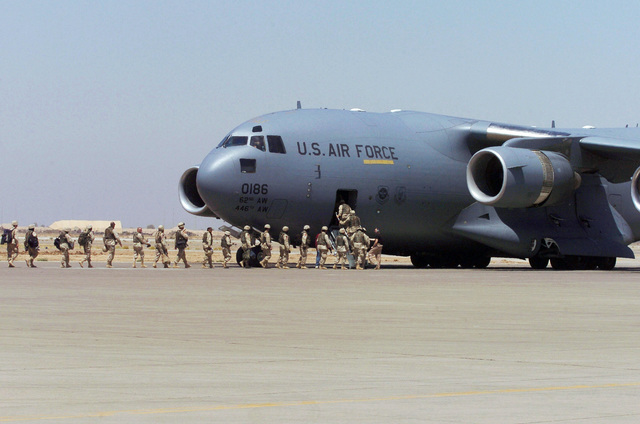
point(82, 239)
point(6, 237)
point(56, 242)
point(32, 241)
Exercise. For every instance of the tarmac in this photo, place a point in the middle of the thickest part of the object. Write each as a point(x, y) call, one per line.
point(503, 345)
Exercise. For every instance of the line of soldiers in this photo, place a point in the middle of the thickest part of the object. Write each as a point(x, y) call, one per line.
point(352, 238)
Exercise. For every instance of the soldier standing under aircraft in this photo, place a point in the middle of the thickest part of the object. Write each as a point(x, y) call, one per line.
point(110, 240)
point(138, 249)
point(351, 224)
point(12, 244)
point(265, 244)
point(342, 247)
point(324, 246)
point(181, 244)
point(246, 244)
point(226, 244)
point(66, 243)
point(360, 247)
point(161, 247)
point(207, 247)
point(31, 245)
point(376, 249)
point(285, 248)
point(304, 247)
point(86, 241)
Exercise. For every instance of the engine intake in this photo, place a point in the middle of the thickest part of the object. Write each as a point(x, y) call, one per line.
point(508, 177)
point(635, 189)
point(189, 196)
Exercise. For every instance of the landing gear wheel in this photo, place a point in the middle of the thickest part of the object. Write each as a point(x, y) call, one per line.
point(483, 262)
point(256, 256)
point(537, 262)
point(606, 264)
point(419, 260)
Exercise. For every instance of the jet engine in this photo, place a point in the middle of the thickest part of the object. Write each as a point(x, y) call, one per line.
point(635, 189)
point(189, 196)
point(509, 177)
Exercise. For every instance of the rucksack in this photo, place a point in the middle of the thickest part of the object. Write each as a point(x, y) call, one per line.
point(82, 240)
point(32, 241)
point(6, 237)
point(56, 242)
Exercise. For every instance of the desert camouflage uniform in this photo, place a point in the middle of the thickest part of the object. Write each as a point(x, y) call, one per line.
point(360, 247)
point(324, 245)
point(12, 246)
point(65, 244)
point(207, 246)
point(110, 240)
point(265, 245)
point(161, 248)
point(304, 247)
point(138, 248)
point(33, 251)
point(342, 247)
point(181, 244)
point(245, 240)
point(87, 247)
point(285, 249)
point(226, 244)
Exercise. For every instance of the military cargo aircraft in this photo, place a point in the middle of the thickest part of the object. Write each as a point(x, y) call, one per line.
point(445, 191)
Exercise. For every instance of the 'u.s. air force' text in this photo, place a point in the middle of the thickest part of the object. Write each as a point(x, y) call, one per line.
point(345, 151)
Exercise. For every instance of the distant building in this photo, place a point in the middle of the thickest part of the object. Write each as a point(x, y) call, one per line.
point(81, 225)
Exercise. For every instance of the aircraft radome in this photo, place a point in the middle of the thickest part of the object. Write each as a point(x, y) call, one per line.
point(446, 191)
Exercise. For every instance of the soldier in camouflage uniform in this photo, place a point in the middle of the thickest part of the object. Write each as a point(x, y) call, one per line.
point(110, 240)
point(66, 243)
point(265, 245)
point(181, 244)
point(285, 248)
point(12, 245)
point(207, 247)
point(138, 247)
point(360, 247)
point(343, 212)
point(351, 224)
point(246, 244)
point(86, 241)
point(342, 247)
point(324, 247)
point(31, 245)
point(161, 247)
point(226, 244)
point(304, 247)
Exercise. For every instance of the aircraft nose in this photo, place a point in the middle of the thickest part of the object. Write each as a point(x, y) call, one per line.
point(215, 181)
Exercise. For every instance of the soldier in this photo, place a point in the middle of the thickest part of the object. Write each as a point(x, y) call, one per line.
point(351, 224)
point(342, 247)
point(207, 246)
point(285, 248)
point(110, 240)
point(265, 244)
point(12, 244)
point(66, 243)
point(376, 249)
point(86, 241)
point(181, 244)
point(304, 247)
point(226, 244)
point(343, 211)
point(324, 247)
point(360, 246)
point(246, 244)
point(161, 247)
point(138, 248)
point(31, 245)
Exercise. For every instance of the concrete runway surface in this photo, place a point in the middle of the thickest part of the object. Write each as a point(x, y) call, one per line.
point(399, 345)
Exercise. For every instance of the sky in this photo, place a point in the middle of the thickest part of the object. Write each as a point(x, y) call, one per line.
point(104, 104)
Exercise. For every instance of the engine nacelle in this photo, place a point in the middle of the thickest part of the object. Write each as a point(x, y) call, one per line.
point(635, 189)
point(189, 196)
point(508, 177)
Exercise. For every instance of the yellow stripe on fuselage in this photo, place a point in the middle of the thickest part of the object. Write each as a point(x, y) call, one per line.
point(377, 162)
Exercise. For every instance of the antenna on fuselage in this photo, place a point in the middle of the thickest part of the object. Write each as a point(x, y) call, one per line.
point(299, 105)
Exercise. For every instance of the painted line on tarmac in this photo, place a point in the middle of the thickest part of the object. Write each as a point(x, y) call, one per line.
point(179, 410)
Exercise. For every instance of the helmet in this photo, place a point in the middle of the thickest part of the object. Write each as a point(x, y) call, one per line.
point(227, 233)
point(247, 228)
point(267, 226)
point(324, 228)
point(306, 227)
point(32, 227)
point(161, 227)
point(285, 228)
point(352, 212)
point(14, 223)
point(342, 231)
point(89, 227)
point(180, 224)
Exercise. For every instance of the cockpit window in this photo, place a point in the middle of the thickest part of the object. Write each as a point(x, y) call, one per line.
point(275, 144)
point(257, 141)
point(235, 140)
